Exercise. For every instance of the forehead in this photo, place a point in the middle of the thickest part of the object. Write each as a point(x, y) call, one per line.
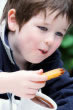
point(60, 22)
point(49, 17)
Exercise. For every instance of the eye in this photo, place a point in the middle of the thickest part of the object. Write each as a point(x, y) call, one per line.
point(43, 28)
point(59, 34)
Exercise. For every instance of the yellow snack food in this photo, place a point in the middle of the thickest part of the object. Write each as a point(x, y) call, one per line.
point(54, 73)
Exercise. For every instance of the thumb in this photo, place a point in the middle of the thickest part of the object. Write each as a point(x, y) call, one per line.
point(39, 71)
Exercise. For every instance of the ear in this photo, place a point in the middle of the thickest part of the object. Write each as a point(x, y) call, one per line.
point(12, 24)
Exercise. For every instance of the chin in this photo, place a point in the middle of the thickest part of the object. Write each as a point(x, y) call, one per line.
point(35, 61)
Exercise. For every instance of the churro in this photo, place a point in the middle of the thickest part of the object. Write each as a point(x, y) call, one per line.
point(54, 73)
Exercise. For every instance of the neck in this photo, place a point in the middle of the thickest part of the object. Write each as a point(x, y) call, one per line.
point(22, 64)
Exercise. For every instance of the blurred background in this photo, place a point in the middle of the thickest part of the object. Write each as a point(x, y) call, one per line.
point(2, 3)
point(66, 47)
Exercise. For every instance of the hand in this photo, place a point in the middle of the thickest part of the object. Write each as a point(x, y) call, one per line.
point(26, 83)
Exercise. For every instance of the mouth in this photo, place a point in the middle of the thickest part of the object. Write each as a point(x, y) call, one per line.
point(43, 51)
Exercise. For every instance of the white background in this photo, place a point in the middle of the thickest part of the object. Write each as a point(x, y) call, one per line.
point(2, 3)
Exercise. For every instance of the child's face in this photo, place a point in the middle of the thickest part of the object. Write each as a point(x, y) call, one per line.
point(39, 37)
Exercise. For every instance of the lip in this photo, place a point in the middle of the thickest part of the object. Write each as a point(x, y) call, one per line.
point(43, 51)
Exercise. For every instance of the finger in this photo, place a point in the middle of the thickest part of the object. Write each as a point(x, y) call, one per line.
point(38, 77)
point(31, 91)
point(38, 71)
point(39, 81)
point(34, 85)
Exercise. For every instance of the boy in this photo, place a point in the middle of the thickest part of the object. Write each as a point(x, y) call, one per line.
point(31, 32)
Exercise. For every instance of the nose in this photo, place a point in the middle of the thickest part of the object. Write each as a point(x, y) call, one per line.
point(49, 40)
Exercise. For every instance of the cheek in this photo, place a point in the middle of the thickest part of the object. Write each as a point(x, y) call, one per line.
point(57, 44)
point(33, 39)
point(54, 47)
point(30, 42)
